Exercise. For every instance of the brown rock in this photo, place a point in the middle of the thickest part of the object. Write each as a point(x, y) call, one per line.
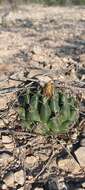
point(43, 157)
point(69, 165)
point(80, 154)
point(30, 161)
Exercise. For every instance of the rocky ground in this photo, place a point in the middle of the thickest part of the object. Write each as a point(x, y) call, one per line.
point(42, 41)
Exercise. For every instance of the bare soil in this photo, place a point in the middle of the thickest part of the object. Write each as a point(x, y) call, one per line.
point(37, 40)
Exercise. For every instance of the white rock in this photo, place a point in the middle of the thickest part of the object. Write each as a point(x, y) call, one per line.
point(6, 139)
point(80, 154)
point(9, 180)
point(19, 177)
point(4, 187)
point(83, 184)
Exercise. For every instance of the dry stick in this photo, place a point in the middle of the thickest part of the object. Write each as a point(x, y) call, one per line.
point(69, 153)
point(59, 84)
point(14, 89)
point(43, 169)
point(82, 122)
point(18, 133)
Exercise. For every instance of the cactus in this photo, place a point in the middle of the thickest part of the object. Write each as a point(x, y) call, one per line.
point(55, 113)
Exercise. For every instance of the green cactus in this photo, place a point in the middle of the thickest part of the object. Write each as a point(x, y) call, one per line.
point(33, 112)
point(45, 111)
point(55, 114)
point(54, 103)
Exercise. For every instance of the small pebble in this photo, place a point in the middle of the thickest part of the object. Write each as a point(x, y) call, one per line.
point(80, 154)
point(4, 187)
point(2, 125)
point(5, 159)
point(19, 177)
point(6, 139)
point(82, 143)
point(9, 180)
point(83, 185)
point(8, 142)
point(69, 165)
point(31, 161)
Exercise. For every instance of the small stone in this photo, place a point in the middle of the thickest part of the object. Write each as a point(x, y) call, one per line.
point(73, 74)
point(6, 139)
point(8, 142)
point(43, 157)
point(82, 143)
point(61, 184)
point(37, 49)
point(44, 79)
point(80, 154)
point(82, 58)
point(30, 161)
point(83, 184)
point(19, 177)
point(9, 180)
point(4, 187)
point(2, 125)
point(5, 159)
point(69, 165)
point(6, 121)
point(3, 103)
point(83, 78)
